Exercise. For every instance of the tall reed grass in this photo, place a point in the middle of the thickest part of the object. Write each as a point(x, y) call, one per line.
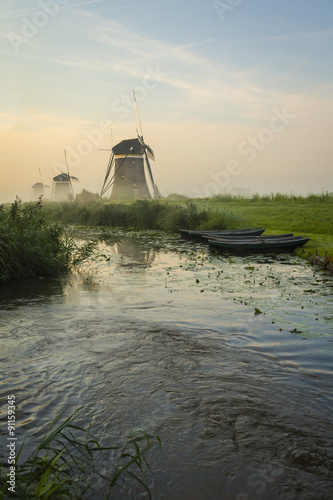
point(32, 246)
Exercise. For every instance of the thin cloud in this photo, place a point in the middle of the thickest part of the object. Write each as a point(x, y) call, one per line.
point(287, 37)
point(22, 13)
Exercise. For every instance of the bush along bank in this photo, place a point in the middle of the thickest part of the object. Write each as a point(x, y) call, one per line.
point(31, 246)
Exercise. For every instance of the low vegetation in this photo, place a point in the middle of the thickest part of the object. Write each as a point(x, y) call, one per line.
point(34, 241)
point(69, 462)
point(142, 214)
point(31, 246)
point(310, 215)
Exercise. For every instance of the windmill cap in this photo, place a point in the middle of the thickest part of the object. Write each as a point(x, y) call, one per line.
point(64, 178)
point(128, 146)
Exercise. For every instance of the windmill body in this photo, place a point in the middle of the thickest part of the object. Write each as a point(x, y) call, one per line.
point(62, 187)
point(38, 190)
point(129, 181)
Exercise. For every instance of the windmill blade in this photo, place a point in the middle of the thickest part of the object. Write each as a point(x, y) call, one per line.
point(150, 152)
point(69, 177)
point(106, 182)
point(137, 115)
point(147, 148)
point(74, 178)
point(151, 176)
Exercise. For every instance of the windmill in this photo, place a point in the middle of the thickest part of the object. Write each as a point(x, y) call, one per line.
point(38, 189)
point(62, 185)
point(126, 168)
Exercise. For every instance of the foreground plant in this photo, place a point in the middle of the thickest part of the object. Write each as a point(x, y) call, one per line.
point(32, 247)
point(64, 463)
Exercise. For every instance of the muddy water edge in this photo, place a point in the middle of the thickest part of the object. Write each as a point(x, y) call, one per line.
point(228, 359)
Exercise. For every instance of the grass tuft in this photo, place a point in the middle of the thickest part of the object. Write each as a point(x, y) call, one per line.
point(64, 463)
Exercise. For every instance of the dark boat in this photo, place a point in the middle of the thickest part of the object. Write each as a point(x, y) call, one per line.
point(248, 237)
point(259, 244)
point(188, 233)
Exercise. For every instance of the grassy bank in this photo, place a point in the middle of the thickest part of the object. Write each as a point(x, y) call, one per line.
point(308, 215)
point(32, 246)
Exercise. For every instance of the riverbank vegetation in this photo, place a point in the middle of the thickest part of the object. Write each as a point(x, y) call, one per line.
point(69, 462)
point(32, 246)
point(141, 214)
point(310, 215)
point(35, 240)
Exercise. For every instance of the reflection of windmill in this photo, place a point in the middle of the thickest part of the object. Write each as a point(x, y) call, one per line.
point(62, 185)
point(127, 162)
point(38, 189)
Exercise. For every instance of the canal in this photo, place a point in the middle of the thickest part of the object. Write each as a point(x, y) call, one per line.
point(227, 359)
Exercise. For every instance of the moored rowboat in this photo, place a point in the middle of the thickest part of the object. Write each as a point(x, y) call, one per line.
point(259, 244)
point(248, 237)
point(188, 233)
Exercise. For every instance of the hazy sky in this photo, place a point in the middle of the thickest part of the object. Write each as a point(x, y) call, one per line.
point(231, 93)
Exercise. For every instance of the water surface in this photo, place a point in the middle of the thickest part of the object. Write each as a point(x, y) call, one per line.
point(165, 333)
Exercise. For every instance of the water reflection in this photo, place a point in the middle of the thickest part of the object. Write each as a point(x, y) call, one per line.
point(20, 292)
point(135, 253)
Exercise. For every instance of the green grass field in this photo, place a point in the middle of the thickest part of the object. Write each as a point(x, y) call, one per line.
point(309, 217)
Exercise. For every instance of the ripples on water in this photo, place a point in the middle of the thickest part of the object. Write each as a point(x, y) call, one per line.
point(165, 332)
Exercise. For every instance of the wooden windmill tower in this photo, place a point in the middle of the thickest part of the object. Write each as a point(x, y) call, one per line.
point(62, 186)
point(38, 189)
point(126, 168)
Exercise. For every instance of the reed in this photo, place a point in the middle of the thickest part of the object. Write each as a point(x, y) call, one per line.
point(142, 214)
point(67, 463)
point(324, 197)
point(31, 246)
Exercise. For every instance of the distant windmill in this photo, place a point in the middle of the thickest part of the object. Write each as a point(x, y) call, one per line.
point(126, 168)
point(38, 189)
point(62, 185)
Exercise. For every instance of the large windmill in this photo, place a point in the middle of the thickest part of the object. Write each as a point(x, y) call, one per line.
point(126, 168)
point(62, 185)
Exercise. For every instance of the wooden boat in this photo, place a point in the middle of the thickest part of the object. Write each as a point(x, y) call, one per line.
point(188, 233)
point(259, 244)
point(248, 237)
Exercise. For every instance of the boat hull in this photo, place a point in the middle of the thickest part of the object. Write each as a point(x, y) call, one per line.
point(249, 238)
point(259, 244)
point(193, 234)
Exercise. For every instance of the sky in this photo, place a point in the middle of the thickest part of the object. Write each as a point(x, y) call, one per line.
point(233, 95)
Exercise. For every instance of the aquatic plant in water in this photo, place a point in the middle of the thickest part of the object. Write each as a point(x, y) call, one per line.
point(64, 463)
